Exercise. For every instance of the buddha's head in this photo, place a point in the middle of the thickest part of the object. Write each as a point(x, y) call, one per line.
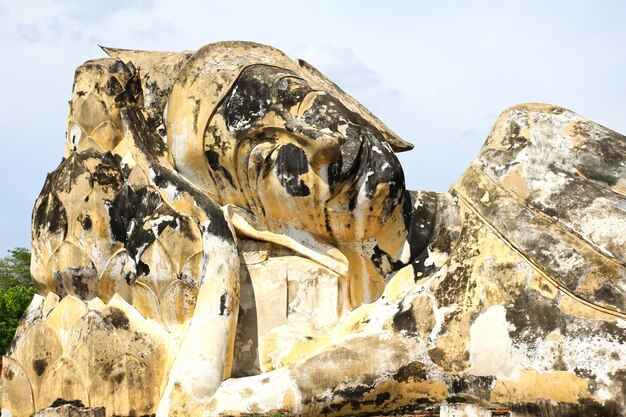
point(253, 128)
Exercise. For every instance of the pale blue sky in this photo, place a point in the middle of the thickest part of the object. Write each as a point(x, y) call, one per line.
point(438, 73)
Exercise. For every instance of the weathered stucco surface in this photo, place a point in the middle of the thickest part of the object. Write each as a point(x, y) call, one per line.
point(230, 232)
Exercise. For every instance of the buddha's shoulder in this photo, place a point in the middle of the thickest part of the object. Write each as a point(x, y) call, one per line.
point(540, 147)
point(553, 185)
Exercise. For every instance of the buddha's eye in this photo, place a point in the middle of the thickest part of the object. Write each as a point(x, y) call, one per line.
point(307, 102)
point(290, 91)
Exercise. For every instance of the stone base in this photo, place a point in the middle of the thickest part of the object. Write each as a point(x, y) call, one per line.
point(70, 409)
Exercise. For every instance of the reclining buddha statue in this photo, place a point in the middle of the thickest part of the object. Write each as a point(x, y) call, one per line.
point(230, 232)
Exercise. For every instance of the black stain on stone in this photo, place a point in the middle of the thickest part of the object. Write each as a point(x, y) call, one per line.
point(106, 172)
point(380, 259)
point(184, 226)
point(80, 286)
point(77, 280)
point(81, 278)
point(513, 139)
point(57, 277)
point(610, 294)
point(354, 199)
point(131, 276)
point(437, 355)
point(223, 306)
point(419, 217)
point(9, 374)
point(128, 212)
point(542, 207)
point(121, 210)
point(187, 279)
point(247, 101)
point(292, 162)
point(615, 331)
point(331, 409)
point(119, 67)
point(106, 370)
point(356, 392)
point(67, 174)
point(551, 408)
point(118, 378)
point(130, 93)
point(472, 385)
point(327, 226)
point(500, 160)
point(420, 406)
point(118, 319)
point(383, 167)
point(413, 371)
point(334, 173)
point(602, 160)
point(454, 287)
point(345, 168)
point(533, 317)
point(620, 377)
point(164, 217)
point(213, 160)
point(39, 366)
point(113, 87)
point(50, 216)
point(85, 221)
point(142, 269)
point(420, 267)
point(381, 398)
point(107, 176)
point(61, 402)
point(585, 373)
point(405, 321)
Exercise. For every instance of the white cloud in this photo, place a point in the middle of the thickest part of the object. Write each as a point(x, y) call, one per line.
point(88, 11)
point(28, 33)
point(49, 31)
point(341, 65)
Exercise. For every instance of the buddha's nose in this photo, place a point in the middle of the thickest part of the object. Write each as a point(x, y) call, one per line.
point(322, 148)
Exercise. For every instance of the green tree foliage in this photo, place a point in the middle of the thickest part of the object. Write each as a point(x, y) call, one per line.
point(16, 292)
point(15, 268)
point(13, 302)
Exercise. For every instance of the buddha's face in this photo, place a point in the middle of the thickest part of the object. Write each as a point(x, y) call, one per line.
point(297, 157)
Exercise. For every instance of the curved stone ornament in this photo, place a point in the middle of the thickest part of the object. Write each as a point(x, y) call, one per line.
point(62, 380)
point(17, 393)
point(229, 232)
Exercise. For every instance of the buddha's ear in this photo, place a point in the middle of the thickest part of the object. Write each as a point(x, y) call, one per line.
point(302, 242)
point(313, 74)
